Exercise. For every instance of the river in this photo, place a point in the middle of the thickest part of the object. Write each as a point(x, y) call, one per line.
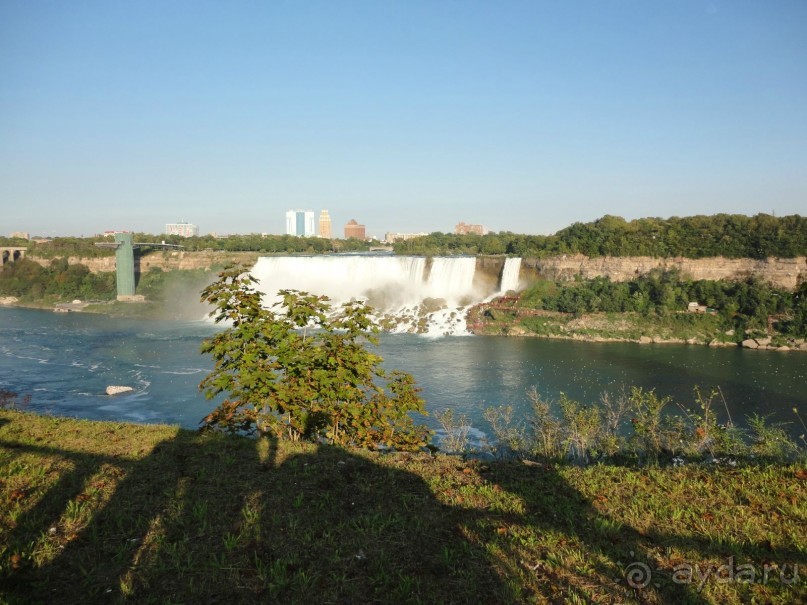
point(65, 361)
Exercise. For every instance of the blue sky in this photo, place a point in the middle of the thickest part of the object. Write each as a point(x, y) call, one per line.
point(407, 116)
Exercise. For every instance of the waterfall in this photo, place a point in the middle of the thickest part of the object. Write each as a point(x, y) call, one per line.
point(510, 272)
point(342, 278)
point(395, 286)
point(452, 278)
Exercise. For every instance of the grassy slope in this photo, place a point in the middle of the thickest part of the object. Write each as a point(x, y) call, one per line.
point(96, 512)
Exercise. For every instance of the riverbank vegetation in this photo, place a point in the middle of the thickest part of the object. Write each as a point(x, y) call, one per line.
point(105, 512)
point(636, 427)
point(31, 282)
point(727, 235)
point(654, 306)
point(169, 294)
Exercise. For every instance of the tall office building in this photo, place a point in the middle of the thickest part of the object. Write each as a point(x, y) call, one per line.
point(353, 229)
point(325, 224)
point(182, 228)
point(300, 223)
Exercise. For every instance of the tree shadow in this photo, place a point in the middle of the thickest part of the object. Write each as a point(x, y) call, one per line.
point(623, 563)
point(216, 519)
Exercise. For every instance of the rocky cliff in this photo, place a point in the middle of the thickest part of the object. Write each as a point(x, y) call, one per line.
point(785, 273)
point(167, 261)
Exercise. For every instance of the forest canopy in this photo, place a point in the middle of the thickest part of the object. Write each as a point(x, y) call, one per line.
point(728, 235)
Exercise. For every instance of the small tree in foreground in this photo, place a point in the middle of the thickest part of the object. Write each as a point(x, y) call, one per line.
point(300, 371)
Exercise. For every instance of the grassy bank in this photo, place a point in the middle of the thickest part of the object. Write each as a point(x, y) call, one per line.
point(678, 327)
point(660, 306)
point(95, 512)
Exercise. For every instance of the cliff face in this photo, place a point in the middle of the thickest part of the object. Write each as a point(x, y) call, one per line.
point(167, 261)
point(785, 273)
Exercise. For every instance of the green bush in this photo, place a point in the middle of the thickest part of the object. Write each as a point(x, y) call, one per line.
point(299, 370)
point(59, 281)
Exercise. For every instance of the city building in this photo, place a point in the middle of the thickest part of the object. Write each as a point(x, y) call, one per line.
point(182, 229)
point(390, 237)
point(325, 224)
point(353, 229)
point(300, 223)
point(20, 235)
point(464, 229)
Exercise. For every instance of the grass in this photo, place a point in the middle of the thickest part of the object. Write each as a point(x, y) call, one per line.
point(675, 327)
point(94, 512)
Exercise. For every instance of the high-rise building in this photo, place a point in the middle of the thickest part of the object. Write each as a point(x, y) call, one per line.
point(324, 224)
point(353, 229)
point(182, 228)
point(300, 223)
point(464, 229)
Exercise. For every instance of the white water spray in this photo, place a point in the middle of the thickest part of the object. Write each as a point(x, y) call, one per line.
point(409, 293)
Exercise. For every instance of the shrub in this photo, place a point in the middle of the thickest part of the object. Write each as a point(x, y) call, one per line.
point(583, 426)
point(456, 430)
point(770, 441)
point(301, 370)
point(511, 436)
point(707, 435)
point(546, 428)
point(651, 432)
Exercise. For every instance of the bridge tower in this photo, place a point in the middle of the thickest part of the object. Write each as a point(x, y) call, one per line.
point(125, 261)
point(124, 264)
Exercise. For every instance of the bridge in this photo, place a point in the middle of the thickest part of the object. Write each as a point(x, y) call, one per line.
point(9, 254)
point(125, 261)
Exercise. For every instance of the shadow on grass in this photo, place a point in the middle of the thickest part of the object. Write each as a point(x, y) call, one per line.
point(212, 519)
point(589, 556)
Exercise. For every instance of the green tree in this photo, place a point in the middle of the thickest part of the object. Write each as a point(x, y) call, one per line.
point(299, 370)
point(491, 244)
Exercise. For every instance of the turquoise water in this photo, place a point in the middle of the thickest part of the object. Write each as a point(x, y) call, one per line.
point(65, 361)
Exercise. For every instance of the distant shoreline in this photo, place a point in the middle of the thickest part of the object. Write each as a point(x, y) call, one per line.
point(601, 327)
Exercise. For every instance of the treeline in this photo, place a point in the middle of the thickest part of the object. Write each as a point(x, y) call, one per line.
point(84, 247)
point(270, 244)
point(728, 235)
point(742, 306)
point(30, 281)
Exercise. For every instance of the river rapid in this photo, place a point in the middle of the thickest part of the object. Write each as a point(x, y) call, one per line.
point(65, 361)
